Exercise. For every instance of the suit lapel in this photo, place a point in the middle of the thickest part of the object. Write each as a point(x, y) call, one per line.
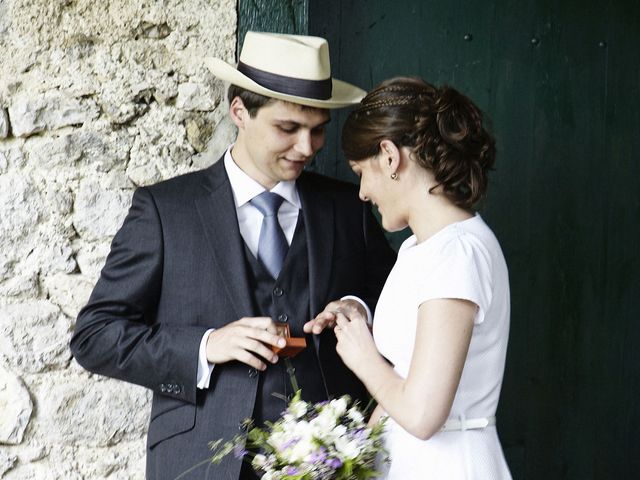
point(318, 214)
point(218, 216)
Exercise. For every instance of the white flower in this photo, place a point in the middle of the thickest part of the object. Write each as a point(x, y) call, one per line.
point(339, 431)
point(315, 441)
point(348, 449)
point(323, 424)
point(259, 460)
point(339, 405)
point(301, 450)
point(355, 415)
point(298, 409)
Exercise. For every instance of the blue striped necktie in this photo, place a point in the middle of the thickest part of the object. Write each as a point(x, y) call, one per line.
point(272, 245)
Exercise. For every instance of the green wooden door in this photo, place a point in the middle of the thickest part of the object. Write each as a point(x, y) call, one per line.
point(561, 82)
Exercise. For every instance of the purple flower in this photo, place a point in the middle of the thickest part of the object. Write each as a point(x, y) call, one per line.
point(360, 434)
point(289, 443)
point(319, 456)
point(291, 470)
point(333, 462)
point(239, 451)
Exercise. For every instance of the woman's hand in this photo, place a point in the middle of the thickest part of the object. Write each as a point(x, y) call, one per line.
point(327, 318)
point(355, 342)
point(377, 415)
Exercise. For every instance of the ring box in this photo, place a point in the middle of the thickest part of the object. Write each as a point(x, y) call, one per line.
point(294, 344)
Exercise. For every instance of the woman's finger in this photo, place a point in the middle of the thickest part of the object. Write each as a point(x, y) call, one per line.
point(341, 320)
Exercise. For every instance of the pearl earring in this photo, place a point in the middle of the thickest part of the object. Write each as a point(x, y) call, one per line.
point(394, 176)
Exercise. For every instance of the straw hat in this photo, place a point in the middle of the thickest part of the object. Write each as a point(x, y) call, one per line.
point(293, 68)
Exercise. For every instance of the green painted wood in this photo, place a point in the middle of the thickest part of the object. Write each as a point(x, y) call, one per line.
point(282, 16)
point(561, 83)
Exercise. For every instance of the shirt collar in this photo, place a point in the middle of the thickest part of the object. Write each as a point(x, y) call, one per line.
point(246, 188)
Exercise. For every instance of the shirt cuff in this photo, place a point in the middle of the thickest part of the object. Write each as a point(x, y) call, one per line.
point(353, 297)
point(204, 367)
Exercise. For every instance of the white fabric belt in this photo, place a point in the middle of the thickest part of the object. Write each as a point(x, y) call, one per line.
point(463, 423)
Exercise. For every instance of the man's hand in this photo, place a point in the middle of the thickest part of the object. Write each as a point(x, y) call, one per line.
point(247, 340)
point(351, 309)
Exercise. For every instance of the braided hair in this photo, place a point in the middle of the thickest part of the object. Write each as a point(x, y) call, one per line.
point(442, 128)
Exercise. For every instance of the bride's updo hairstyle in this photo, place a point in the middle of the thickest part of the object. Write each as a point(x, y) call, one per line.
point(442, 128)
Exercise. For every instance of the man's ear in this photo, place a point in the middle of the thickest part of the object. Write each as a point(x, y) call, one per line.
point(390, 156)
point(238, 112)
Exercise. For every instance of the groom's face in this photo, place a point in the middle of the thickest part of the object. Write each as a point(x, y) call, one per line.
point(279, 141)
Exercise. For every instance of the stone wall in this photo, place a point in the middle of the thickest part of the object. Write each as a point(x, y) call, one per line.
point(96, 98)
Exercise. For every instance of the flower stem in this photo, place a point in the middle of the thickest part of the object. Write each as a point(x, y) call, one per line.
point(292, 374)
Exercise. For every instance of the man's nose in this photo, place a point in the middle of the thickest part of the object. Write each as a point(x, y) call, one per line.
point(304, 145)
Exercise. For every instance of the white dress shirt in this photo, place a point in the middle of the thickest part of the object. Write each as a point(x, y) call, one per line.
point(244, 189)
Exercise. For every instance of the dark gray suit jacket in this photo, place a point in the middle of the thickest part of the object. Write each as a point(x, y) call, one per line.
point(176, 268)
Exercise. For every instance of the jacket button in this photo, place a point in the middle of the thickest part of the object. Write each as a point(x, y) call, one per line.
point(163, 388)
point(252, 372)
point(283, 317)
point(278, 292)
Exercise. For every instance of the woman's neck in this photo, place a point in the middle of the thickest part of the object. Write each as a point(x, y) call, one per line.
point(433, 214)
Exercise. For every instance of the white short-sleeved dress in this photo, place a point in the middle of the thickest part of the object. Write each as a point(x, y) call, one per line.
point(464, 261)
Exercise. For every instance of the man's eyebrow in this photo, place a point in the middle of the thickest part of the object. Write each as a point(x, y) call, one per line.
point(323, 123)
point(298, 124)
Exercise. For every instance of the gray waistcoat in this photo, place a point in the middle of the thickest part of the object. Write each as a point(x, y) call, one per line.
point(286, 299)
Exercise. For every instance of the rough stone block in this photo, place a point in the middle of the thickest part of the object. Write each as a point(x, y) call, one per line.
point(49, 112)
point(16, 408)
point(7, 461)
point(98, 213)
point(34, 336)
point(91, 410)
point(90, 257)
point(4, 162)
point(49, 153)
point(198, 132)
point(4, 123)
point(11, 155)
point(18, 285)
point(69, 292)
point(195, 96)
point(21, 206)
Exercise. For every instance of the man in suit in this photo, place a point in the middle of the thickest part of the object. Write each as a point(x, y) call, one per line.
point(202, 268)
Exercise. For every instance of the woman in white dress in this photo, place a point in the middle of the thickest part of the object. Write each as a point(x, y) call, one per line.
point(442, 321)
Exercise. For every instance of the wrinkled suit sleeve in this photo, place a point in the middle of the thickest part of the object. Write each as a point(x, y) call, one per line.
point(117, 334)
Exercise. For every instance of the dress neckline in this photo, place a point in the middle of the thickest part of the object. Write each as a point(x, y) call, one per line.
point(411, 243)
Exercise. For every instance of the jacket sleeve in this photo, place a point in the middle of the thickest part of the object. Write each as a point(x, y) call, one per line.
point(380, 257)
point(117, 333)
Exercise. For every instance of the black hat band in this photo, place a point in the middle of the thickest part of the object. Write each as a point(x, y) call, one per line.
point(316, 89)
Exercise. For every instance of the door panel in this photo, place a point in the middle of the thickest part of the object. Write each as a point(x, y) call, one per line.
point(560, 82)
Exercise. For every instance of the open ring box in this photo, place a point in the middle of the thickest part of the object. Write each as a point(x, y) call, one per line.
point(294, 344)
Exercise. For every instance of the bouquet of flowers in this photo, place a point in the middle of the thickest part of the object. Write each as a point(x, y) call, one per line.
point(325, 441)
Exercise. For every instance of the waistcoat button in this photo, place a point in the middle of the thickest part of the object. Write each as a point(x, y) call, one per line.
point(278, 292)
point(283, 317)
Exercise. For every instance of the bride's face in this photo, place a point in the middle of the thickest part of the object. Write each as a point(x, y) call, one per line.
point(377, 187)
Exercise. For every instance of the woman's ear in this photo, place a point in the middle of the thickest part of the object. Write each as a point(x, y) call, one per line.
point(238, 112)
point(390, 156)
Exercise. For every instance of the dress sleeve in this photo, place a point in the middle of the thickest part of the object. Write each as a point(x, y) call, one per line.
point(458, 268)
